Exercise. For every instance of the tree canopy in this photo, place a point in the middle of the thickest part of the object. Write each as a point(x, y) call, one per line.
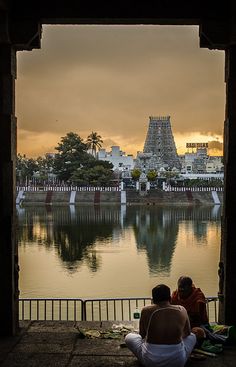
point(98, 175)
point(135, 173)
point(72, 155)
point(94, 141)
point(25, 168)
point(72, 163)
point(152, 175)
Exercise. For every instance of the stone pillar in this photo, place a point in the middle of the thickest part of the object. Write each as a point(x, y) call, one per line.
point(227, 265)
point(8, 247)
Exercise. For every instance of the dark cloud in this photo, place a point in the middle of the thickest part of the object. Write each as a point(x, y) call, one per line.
point(112, 78)
point(110, 47)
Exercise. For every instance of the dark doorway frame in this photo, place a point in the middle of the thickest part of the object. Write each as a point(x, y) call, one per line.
point(21, 24)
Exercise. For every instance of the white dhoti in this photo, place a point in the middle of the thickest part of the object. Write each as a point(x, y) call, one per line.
point(160, 355)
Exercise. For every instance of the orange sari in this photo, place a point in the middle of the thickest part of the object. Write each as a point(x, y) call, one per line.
point(195, 305)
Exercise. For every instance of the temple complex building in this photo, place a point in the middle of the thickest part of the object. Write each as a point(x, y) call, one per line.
point(159, 148)
point(199, 161)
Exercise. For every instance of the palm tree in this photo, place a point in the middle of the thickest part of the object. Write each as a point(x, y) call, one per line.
point(94, 141)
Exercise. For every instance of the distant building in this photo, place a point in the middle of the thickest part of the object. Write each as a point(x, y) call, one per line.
point(215, 164)
point(198, 161)
point(159, 149)
point(121, 162)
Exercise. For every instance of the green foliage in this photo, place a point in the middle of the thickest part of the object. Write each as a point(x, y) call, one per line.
point(152, 175)
point(135, 173)
point(72, 155)
point(45, 167)
point(105, 164)
point(29, 168)
point(71, 163)
point(97, 175)
point(25, 168)
point(94, 141)
point(169, 174)
point(213, 182)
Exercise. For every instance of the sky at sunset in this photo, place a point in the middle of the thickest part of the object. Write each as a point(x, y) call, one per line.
point(110, 79)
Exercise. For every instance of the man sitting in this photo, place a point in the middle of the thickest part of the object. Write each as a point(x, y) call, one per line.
point(165, 338)
point(192, 299)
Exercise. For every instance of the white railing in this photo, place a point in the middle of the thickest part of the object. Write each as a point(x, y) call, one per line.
point(110, 188)
point(66, 188)
point(192, 189)
point(103, 309)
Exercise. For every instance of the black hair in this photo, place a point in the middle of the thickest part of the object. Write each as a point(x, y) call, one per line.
point(185, 281)
point(161, 293)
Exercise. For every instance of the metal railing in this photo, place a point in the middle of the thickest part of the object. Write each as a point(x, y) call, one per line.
point(51, 309)
point(115, 309)
point(92, 309)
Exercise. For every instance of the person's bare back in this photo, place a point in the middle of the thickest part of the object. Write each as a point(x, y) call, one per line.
point(164, 338)
point(166, 324)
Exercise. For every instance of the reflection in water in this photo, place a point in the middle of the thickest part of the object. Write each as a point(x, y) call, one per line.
point(75, 231)
point(89, 251)
point(156, 233)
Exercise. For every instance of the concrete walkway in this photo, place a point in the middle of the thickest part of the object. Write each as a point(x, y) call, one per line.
point(59, 344)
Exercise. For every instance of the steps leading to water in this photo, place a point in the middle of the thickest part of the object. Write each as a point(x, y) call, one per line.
point(129, 197)
point(215, 198)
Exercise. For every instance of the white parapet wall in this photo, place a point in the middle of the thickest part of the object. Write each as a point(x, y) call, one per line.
point(123, 197)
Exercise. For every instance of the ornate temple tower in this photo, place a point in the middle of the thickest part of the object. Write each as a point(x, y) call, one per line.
point(160, 142)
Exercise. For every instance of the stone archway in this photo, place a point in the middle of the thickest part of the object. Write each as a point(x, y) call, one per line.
point(21, 30)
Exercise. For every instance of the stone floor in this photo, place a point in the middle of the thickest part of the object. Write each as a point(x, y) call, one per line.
point(59, 344)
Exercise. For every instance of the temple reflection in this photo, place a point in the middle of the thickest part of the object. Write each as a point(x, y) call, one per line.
point(156, 231)
point(74, 232)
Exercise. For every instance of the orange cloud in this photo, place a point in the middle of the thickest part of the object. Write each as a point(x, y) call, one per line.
point(110, 79)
